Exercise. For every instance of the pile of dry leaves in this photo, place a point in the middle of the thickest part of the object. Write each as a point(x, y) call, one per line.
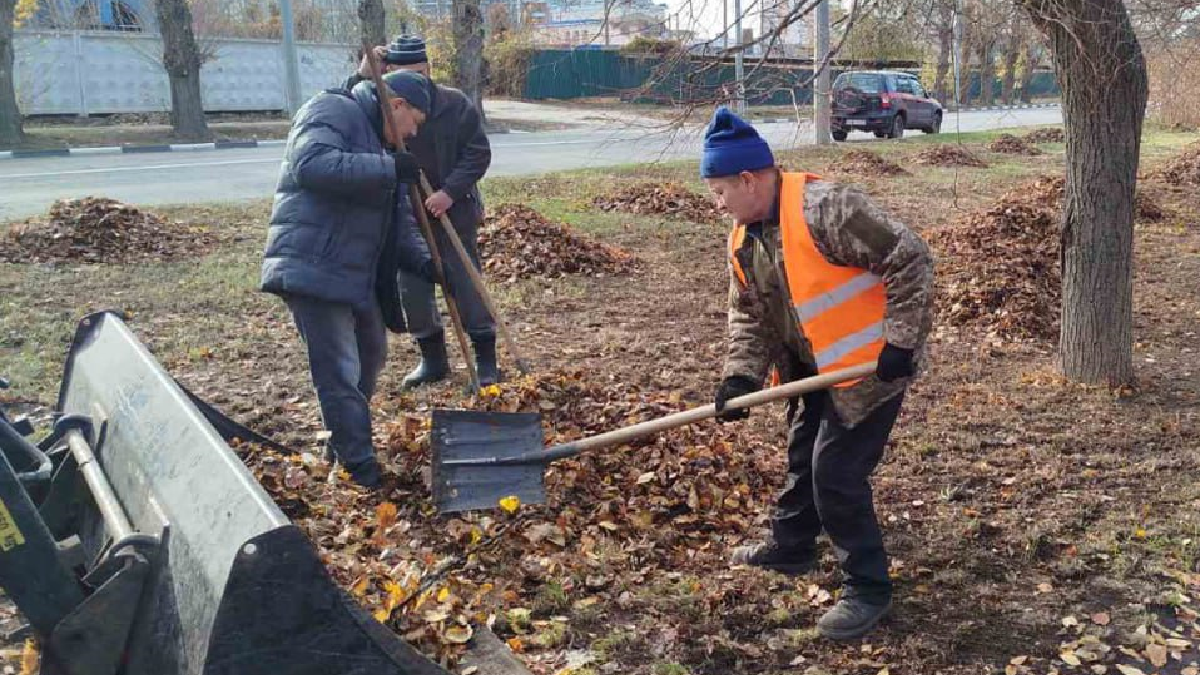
point(949, 155)
point(866, 164)
point(667, 199)
point(516, 242)
point(1047, 135)
point(1183, 169)
point(676, 502)
point(101, 230)
point(1012, 145)
point(998, 268)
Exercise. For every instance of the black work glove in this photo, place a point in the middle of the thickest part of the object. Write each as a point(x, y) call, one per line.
point(407, 169)
point(731, 388)
point(895, 363)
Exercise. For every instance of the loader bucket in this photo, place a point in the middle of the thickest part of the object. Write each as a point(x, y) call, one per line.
point(233, 586)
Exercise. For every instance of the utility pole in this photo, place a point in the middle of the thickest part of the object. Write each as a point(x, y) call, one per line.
point(291, 64)
point(739, 73)
point(725, 24)
point(821, 90)
point(957, 51)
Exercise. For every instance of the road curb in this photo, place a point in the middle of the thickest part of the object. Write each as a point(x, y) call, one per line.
point(140, 149)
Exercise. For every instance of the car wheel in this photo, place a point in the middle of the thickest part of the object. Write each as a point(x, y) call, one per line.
point(839, 135)
point(937, 125)
point(881, 134)
point(897, 127)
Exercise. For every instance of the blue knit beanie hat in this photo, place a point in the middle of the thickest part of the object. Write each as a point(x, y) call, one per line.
point(410, 86)
point(406, 50)
point(732, 146)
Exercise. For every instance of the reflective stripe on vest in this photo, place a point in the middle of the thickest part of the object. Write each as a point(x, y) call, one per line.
point(840, 310)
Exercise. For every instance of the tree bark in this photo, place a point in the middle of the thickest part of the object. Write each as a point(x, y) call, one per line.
point(181, 58)
point(468, 50)
point(1012, 53)
point(1031, 63)
point(945, 45)
point(372, 22)
point(964, 61)
point(1104, 86)
point(987, 71)
point(11, 130)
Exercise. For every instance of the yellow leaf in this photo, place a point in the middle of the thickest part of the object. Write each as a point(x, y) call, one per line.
point(382, 615)
point(385, 517)
point(1139, 533)
point(457, 635)
point(511, 503)
point(30, 656)
point(516, 645)
point(443, 594)
point(492, 390)
point(359, 588)
point(476, 535)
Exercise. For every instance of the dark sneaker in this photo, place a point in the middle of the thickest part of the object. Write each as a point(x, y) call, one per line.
point(852, 618)
point(770, 556)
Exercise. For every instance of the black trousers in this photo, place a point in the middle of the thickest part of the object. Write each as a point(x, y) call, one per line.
point(828, 487)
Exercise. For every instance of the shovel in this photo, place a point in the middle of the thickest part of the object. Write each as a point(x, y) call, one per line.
point(480, 458)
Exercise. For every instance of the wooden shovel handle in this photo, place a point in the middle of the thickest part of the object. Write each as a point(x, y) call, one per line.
point(686, 417)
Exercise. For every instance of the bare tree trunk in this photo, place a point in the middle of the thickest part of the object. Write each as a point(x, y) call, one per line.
point(181, 58)
point(987, 71)
point(1103, 76)
point(468, 50)
point(372, 22)
point(11, 131)
point(1012, 53)
point(1031, 62)
point(964, 61)
point(945, 46)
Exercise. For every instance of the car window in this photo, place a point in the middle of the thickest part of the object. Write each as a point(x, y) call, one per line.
point(868, 83)
point(904, 86)
point(892, 85)
point(918, 89)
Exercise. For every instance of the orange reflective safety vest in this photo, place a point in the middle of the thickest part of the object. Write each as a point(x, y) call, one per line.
point(839, 309)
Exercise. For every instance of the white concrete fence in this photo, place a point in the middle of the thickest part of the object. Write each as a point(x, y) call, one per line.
point(99, 72)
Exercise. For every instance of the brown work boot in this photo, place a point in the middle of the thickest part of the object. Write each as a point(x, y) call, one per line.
point(771, 556)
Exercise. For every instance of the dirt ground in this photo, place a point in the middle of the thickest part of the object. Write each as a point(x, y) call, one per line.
point(1036, 526)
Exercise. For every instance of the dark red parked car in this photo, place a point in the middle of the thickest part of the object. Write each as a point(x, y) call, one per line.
point(885, 102)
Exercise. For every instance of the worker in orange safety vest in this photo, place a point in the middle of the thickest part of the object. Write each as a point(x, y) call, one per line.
point(820, 279)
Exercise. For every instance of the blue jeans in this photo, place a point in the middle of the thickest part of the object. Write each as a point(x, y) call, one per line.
point(347, 348)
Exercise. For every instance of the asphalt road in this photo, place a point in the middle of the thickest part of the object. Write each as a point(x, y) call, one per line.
point(28, 186)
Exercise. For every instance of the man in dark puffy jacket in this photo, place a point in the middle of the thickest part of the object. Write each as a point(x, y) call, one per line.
point(454, 153)
point(340, 208)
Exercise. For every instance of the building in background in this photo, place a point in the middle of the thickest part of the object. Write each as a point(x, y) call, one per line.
point(795, 41)
point(582, 22)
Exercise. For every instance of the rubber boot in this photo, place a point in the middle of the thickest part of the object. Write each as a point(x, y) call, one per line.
point(433, 366)
point(485, 359)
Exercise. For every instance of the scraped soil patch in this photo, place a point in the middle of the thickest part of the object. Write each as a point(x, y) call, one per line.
point(661, 199)
point(1013, 145)
point(516, 242)
point(998, 268)
point(1048, 135)
point(101, 230)
point(866, 163)
point(949, 155)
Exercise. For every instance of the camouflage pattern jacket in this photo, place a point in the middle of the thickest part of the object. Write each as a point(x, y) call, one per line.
point(849, 230)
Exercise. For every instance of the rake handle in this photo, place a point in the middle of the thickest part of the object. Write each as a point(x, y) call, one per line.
point(679, 419)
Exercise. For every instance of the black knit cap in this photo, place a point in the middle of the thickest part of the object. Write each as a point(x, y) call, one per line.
point(406, 50)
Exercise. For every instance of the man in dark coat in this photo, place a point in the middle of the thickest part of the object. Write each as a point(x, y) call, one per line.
point(453, 151)
point(340, 209)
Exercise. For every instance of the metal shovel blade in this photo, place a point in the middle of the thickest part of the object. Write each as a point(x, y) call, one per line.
point(469, 435)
